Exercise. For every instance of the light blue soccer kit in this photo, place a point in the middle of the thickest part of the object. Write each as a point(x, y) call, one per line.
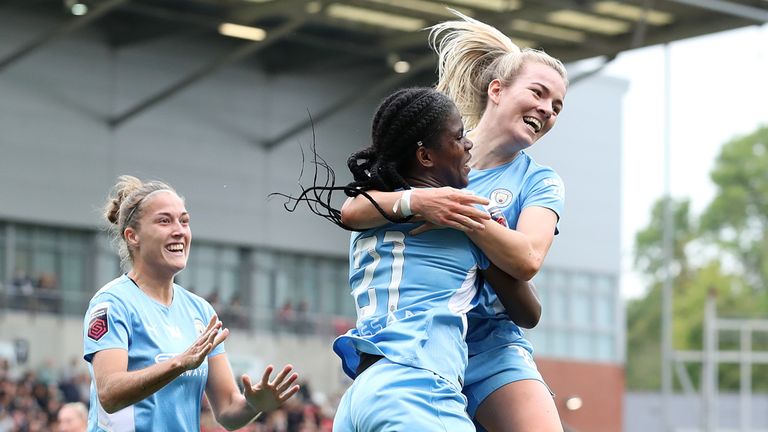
point(122, 316)
point(412, 294)
point(498, 352)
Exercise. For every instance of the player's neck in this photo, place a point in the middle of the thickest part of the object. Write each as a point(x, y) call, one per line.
point(423, 181)
point(159, 287)
point(490, 150)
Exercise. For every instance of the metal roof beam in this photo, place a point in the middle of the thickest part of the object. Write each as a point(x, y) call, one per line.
point(70, 26)
point(228, 58)
point(418, 66)
point(758, 15)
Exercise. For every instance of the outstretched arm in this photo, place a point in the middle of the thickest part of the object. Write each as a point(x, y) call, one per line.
point(518, 297)
point(118, 388)
point(445, 206)
point(233, 409)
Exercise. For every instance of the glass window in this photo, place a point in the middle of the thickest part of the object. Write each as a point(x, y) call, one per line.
point(559, 345)
point(605, 283)
point(605, 348)
point(582, 345)
point(581, 313)
point(107, 263)
point(556, 279)
point(604, 310)
point(580, 281)
point(55, 261)
point(74, 293)
point(213, 272)
point(558, 307)
point(263, 281)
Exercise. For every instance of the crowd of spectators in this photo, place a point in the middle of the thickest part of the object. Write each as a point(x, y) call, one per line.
point(39, 294)
point(31, 400)
point(301, 413)
point(52, 399)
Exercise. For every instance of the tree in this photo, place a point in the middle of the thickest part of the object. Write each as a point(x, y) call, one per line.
point(725, 249)
point(737, 218)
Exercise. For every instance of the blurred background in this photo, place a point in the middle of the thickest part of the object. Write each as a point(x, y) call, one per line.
point(655, 296)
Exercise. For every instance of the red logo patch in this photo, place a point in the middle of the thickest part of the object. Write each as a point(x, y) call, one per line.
point(99, 325)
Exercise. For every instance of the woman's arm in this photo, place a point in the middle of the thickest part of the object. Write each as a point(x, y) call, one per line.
point(445, 206)
point(233, 409)
point(518, 297)
point(519, 252)
point(118, 388)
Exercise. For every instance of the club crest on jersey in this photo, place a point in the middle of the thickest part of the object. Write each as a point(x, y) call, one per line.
point(199, 326)
point(501, 197)
point(98, 325)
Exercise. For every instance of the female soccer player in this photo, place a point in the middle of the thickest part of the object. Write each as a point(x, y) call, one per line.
point(153, 347)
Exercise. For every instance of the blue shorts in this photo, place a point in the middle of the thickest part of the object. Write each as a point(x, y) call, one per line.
point(390, 397)
point(491, 370)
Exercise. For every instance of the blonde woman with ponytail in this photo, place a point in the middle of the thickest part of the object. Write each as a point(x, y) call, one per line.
point(509, 98)
point(152, 347)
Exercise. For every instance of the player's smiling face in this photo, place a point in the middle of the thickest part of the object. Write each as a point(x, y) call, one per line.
point(164, 235)
point(452, 156)
point(527, 108)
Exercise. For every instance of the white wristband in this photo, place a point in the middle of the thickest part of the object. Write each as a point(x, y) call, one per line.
point(403, 204)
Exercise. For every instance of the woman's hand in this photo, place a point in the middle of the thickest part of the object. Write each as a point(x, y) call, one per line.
point(266, 395)
point(210, 338)
point(449, 208)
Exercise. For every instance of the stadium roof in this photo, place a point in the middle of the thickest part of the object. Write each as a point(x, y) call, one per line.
point(301, 34)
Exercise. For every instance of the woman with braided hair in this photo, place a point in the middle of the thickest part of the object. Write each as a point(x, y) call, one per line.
point(510, 98)
point(407, 352)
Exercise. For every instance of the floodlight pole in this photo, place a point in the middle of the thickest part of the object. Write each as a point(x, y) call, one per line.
point(668, 252)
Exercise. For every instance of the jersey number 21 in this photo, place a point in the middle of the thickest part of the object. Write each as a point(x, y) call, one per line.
point(365, 296)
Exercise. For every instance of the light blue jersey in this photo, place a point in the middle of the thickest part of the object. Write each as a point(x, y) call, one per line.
point(412, 294)
point(122, 316)
point(511, 188)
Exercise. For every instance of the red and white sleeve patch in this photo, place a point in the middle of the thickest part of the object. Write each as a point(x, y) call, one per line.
point(98, 325)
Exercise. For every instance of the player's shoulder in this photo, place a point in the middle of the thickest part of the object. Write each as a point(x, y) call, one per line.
point(115, 290)
point(190, 298)
point(536, 168)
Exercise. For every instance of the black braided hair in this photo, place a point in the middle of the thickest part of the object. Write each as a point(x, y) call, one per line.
point(404, 120)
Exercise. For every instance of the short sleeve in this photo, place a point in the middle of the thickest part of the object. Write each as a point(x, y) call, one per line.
point(106, 326)
point(545, 189)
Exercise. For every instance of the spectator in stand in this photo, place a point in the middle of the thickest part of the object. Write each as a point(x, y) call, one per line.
point(22, 289)
point(73, 417)
point(285, 316)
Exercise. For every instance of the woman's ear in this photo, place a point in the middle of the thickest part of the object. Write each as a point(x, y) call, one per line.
point(131, 237)
point(424, 157)
point(494, 91)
